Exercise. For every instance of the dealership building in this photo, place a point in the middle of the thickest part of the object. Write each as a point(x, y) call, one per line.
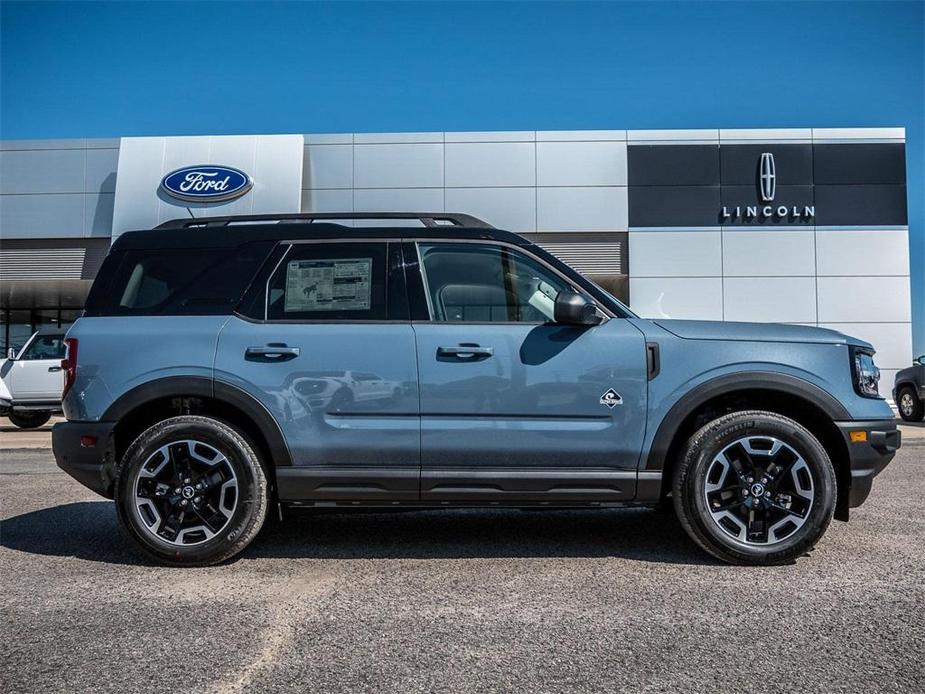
point(803, 226)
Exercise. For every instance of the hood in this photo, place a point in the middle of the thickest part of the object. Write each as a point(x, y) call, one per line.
point(756, 332)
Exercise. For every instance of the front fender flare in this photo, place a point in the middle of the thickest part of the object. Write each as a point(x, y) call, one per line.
point(729, 383)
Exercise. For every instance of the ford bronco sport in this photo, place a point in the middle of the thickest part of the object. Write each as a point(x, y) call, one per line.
point(226, 366)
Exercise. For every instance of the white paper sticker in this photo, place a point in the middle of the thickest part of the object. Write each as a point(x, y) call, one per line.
point(328, 285)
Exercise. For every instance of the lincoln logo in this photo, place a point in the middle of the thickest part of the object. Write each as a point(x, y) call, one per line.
point(767, 188)
point(767, 178)
point(206, 183)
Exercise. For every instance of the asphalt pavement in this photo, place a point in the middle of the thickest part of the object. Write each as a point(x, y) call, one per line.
point(457, 601)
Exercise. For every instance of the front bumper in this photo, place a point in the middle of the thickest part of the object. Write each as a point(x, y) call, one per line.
point(91, 465)
point(874, 445)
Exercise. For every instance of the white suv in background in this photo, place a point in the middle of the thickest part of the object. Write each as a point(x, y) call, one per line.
point(32, 380)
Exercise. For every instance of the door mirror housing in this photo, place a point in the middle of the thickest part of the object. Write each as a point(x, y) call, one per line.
point(574, 309)
point(11, 354)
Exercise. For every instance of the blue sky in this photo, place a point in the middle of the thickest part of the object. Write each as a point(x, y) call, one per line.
point(110, 69)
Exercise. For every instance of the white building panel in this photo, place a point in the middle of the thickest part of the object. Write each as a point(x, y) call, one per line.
point(327, 166)
point(481, 164)
point(856, 252)
point(770, 299)
point(675, 254)
point(513, 209)
point(770, 253)
point(688, 297)
point(864, 299)
point(327, 201)
point(496, 136)
point(581, 209)
point(398, 166)
point(580, 135)
point(398, 200)
point(581, 163)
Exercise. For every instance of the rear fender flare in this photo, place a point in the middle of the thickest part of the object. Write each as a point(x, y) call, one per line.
point(198, 386)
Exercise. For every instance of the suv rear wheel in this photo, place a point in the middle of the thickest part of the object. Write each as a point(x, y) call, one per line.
point(191, 491)
point(754, 488)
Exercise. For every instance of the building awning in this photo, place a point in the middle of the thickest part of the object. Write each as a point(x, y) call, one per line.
point(42, 273)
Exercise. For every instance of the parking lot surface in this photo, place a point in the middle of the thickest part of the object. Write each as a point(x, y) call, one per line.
point(475, 600)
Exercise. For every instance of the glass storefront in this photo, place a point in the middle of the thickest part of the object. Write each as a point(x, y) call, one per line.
point(17, 325)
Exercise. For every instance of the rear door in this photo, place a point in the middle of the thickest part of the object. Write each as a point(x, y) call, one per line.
point(328, 349)
point(513, 406)
point(36, 372)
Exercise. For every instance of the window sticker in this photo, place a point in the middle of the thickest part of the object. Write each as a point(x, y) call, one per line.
point(328, 285)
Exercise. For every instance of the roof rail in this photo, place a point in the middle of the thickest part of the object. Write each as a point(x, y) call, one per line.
point(428, 219)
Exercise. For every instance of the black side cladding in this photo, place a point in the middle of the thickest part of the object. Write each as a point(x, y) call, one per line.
point(179, 282)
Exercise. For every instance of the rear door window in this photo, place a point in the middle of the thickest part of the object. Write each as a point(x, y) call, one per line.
point(330, 281)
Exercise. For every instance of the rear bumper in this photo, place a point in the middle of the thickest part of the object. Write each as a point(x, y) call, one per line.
point(868, 457)
point(91, 465)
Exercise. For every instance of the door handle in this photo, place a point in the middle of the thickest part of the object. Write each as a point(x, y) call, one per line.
point(271, 353)
point(465, 351)
point(54, 368)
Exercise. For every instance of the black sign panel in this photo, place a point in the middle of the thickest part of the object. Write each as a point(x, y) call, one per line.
point(673, 165)
point(767, 184)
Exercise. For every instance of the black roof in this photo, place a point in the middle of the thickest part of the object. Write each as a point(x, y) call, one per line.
point(224, 232)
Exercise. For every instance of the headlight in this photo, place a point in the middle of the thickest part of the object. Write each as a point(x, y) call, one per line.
point(866, 374)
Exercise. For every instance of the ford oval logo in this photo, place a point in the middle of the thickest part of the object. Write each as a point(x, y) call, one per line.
point(206, 183)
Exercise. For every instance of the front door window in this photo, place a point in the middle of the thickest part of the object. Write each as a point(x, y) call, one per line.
point(477, 283)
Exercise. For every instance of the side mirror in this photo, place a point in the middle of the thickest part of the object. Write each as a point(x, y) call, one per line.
point(573, 309)
point(11, 353)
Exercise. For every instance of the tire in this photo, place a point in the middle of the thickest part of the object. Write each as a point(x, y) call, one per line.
point(911, 409)
point(742, 515)
point(29, 420)
point(168, 516)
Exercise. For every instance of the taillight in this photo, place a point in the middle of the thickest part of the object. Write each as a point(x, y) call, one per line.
point(69, 364)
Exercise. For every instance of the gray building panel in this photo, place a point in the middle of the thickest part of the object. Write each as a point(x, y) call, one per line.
point(101, 166)
point(43, 171)
point(42, 216)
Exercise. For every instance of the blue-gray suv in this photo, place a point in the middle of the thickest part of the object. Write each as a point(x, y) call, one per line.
point(227, 366)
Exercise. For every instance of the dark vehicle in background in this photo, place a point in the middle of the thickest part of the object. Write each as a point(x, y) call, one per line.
point(909, 391)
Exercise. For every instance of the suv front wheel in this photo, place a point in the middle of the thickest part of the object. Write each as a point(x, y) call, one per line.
point(191, 491)
point(754, 488)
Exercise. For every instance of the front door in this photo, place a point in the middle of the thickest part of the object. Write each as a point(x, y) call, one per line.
point(331, 357)
point(513, 406)
point(36, 372)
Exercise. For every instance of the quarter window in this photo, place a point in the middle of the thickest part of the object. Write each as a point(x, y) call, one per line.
point(486, 283)
point(330, 281)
